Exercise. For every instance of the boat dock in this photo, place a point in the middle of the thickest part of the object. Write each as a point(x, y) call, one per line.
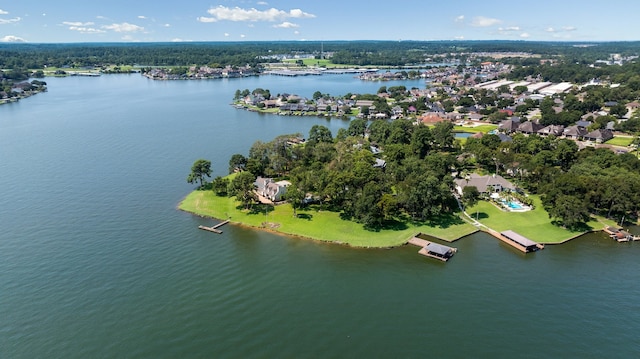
point(620, 235)
point(214, 229)
point(433, 250)
point(517, 241)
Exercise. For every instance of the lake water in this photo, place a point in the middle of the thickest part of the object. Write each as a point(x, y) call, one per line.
point(95, 260)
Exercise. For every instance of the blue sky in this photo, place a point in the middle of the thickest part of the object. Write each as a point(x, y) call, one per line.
point(40, 21)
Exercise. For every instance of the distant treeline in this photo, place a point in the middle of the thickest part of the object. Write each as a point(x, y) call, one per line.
point(376, 53)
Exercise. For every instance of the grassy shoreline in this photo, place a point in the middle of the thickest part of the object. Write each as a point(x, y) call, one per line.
point(534, 224)
point(320, 225)
point(327, 226)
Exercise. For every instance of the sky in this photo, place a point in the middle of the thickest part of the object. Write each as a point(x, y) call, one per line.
point(65, 21)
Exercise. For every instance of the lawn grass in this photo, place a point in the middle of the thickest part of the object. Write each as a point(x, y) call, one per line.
point(318, 224)
point(534, 224)
point(620, 141)
point(473, 129)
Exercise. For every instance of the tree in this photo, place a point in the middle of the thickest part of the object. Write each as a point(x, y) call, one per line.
point(572, 211)
point(220, 186)
point(421, 140)
point(201, 168)
point(295, 197)
point(237, 161)
point(242, 187)
point(443, 136)
point(470, 196)
point(357, 127)
point(319, 133)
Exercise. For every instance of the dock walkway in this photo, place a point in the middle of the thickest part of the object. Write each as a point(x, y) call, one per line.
point(214, 229)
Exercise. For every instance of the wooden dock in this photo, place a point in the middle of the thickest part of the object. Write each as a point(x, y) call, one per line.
point(517, 241)
point(214, 229)
point(433, 250)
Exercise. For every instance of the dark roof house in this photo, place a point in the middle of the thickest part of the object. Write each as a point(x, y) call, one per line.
point(529, 127)
point(575, 132)
point(599, 136)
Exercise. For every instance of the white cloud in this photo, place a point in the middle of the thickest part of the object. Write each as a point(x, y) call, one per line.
point(223, 13)
point(11, 38)
point(76, 23)
point(242, 36)
point(86, 30)
point(9, 21)
point(82, 27)
point(286, 25)
point(226, 34)
point(2, 12)
point(100, 17)
point(525, 35)
point(459, 38)
point(124, 27)
point(142, 17)
point(129, 38)
point(509, 28)
point(167, 25)
point(550, 29)
point(180, 40)
point(296, 32)
point(481, 21)
point(569, 28)
point(263, 3)
point(459, 19)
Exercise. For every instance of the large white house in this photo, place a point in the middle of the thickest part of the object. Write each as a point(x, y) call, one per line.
point(271, 190)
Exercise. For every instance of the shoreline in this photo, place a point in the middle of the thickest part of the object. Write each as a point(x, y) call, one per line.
point(291, 235)
point(274, 227)
point(350, 233)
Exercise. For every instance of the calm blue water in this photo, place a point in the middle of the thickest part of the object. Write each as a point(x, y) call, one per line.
point(95, 261)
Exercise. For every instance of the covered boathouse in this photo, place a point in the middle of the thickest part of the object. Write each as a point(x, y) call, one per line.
point(433, 250)
point(437, 251)
point(524, 244)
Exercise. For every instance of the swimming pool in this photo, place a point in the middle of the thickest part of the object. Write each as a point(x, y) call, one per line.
point(512, 205)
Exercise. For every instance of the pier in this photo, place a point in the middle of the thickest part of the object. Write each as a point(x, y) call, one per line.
point(433, 250)
point(517, 241)
point(214, 229)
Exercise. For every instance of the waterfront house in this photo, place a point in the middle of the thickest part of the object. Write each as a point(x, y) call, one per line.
point(485, 184)
point(271, 190)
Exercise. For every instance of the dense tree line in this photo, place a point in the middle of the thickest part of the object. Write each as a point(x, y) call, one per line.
point(377, 53)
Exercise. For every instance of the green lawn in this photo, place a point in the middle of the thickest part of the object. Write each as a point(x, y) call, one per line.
point(481, 128)
point(534, 224)
point(620, 141)
point(319, 225)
